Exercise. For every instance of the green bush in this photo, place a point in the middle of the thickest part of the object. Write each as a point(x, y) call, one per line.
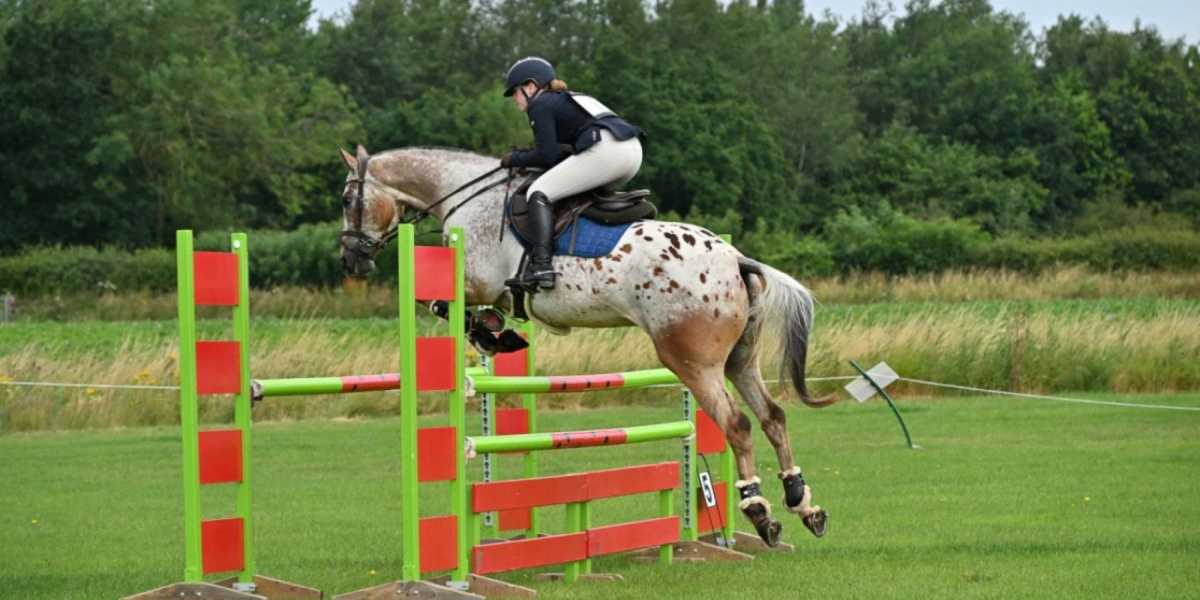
point(788, 251)
point(1187, 204)
point(1017, 254)
point(1110, 212)
point(1122, 250)
point(1145, 250)
point(42, 271)
point(308, 256)
point(899, 245)
point(891, 243)
point(305, 257)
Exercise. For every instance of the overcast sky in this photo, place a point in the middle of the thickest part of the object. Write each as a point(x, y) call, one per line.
point(1172, 18)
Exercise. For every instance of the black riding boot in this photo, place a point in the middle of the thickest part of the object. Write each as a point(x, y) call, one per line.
point(539, 272)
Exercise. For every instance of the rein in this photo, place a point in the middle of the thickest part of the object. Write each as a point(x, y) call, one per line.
point(424, 212)
point(476, 194)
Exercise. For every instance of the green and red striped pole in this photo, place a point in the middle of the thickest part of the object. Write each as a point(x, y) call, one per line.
point(573, 383)
point(305, 386)
point(579, 439)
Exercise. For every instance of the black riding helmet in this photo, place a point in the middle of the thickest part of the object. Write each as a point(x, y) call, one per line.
point(530, 68)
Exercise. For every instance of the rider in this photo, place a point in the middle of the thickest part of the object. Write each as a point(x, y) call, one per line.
point(607, 153)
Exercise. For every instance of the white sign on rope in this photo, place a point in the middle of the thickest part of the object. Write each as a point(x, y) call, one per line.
point(862, 389)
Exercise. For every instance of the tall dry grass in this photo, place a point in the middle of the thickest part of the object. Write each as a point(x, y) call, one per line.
point(1028, 347)
point(1022, 349)
point(356, 299)
point(990, 330)
point(353, 300)
point(137, 361)
point(1068, 282)
point(286, 349)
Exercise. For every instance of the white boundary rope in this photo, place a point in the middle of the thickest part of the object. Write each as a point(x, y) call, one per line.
point(1041, 397)
point(175, 387)
point(846, 378)
point(91, 385)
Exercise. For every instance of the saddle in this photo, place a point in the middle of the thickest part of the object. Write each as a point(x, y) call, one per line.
point(607, 208)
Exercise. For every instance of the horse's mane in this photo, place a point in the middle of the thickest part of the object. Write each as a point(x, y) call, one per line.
point(447, 149)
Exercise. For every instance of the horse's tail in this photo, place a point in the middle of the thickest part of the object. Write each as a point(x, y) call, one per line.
point(786, 301)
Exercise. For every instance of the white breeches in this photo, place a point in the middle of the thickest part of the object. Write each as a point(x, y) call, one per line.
point(607, 164)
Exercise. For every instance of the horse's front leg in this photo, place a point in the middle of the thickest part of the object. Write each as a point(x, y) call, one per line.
point(484, 329)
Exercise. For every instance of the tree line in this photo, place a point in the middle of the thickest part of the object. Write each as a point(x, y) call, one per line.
point(126, 119)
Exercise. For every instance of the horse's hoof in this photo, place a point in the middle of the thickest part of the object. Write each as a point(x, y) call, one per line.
point(770, 530)
point(816, 522)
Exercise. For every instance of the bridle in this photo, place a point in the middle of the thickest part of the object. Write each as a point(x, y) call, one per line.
point(366, 245)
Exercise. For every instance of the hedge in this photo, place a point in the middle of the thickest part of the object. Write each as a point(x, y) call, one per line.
point(309, 256)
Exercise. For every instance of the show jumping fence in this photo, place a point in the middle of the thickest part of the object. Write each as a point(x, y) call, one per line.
point(217, 456)
point(452, 541)
point(705, 500)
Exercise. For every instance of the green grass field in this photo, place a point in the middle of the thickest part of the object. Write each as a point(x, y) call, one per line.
point(1006, 498)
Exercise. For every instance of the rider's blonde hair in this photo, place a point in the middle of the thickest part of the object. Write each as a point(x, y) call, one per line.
point(557, 85)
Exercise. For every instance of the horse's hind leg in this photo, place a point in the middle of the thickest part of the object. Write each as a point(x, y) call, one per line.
point(708, 387)
point(742, 369)
point(715, 399)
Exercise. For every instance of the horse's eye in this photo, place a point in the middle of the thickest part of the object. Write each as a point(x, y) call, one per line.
point(346, 201)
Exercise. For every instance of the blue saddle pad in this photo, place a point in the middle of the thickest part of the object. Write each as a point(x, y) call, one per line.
point(593, 240)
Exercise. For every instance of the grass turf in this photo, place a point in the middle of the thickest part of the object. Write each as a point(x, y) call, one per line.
point(1005, 498)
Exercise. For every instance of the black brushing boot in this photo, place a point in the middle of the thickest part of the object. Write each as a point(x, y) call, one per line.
point(798, 498)
point(539, 272)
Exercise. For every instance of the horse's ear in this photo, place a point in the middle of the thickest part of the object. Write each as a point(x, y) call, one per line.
point(362, 152)
point(349, 160)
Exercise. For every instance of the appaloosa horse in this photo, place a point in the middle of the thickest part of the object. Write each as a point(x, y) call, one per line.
point(702, 303)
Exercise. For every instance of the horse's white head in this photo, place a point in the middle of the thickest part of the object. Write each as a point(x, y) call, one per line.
point(380, 187)
point(370, 213)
